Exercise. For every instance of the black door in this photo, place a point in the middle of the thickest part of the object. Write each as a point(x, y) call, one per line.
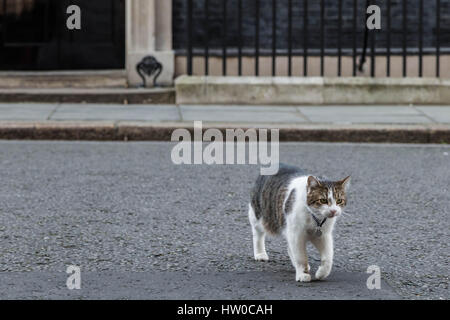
point(34, 35)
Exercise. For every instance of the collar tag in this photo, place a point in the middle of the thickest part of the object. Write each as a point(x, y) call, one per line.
point(318, 230)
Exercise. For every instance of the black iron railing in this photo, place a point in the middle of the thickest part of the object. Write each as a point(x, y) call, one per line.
point(306, 34)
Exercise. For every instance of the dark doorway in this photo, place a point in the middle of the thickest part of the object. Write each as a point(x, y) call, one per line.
point(34, 36)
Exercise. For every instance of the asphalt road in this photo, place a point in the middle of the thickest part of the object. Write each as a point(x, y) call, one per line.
point(141, 227)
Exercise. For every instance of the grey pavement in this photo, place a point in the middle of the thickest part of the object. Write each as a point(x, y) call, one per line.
point(141, 227)
point(241, 114)
point(179, 285)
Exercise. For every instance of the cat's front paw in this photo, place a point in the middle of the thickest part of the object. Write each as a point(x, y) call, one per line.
point(322, 272)
point(303, 277)
point(261, 257)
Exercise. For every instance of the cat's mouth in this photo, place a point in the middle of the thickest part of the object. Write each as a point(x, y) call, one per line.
point(332, 215)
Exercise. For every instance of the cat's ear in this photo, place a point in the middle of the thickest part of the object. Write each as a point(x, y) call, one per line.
point(345, 183)
point(313, 182)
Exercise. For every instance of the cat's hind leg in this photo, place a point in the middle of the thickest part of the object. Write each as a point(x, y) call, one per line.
point(259, 236)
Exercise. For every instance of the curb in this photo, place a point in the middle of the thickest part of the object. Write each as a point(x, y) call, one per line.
point(141, 131)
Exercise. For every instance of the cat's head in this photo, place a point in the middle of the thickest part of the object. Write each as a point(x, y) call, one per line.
point(327, 199)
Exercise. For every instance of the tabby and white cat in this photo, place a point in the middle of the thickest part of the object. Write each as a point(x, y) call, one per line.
point(301, 207)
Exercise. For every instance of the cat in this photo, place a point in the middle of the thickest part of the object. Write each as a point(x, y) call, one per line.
point(301, 207)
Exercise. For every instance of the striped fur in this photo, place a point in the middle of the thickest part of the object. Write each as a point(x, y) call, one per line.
point(269, 197)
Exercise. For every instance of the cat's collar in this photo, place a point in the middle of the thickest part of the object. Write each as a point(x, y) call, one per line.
point(319, 224)
point(317, 221)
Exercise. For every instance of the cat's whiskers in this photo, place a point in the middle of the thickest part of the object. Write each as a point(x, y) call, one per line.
point(344, 214)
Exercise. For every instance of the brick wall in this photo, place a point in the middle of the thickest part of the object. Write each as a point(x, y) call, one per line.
point(215, 31)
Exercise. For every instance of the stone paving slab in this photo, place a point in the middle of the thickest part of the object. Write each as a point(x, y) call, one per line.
point(228, 114)
point(26, 111)
point(91, 112)
point(364, 114)
point(438, 114)
point(242, 114)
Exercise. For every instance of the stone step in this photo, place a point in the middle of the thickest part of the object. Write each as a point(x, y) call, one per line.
point(63, 79)
point(90, 95)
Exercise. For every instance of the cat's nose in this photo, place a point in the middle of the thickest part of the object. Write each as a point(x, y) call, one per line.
point(333, 212)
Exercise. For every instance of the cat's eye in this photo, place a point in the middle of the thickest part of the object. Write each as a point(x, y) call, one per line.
point(339, 201)
point(323, 201)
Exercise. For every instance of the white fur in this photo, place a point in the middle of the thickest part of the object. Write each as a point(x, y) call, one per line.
point(298, 223)
point(259, 235)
